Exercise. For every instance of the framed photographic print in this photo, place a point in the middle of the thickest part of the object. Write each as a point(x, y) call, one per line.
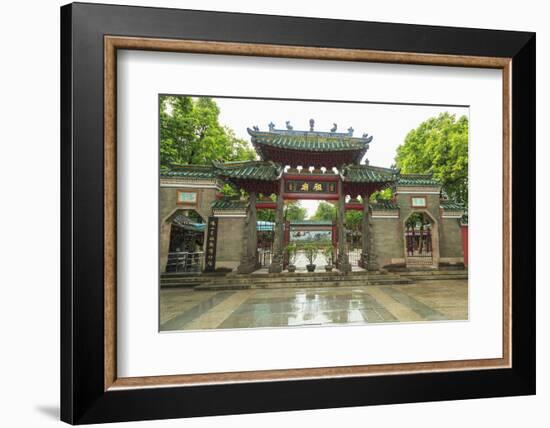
point(266, 213)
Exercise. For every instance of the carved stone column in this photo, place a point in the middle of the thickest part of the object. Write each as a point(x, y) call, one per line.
point(249, 259)
point(276, 265)
point(372, 262)
point(365, 232)
point(343, 259)
point(165, 230)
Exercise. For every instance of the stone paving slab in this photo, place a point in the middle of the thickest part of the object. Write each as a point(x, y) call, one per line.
point(188, 309)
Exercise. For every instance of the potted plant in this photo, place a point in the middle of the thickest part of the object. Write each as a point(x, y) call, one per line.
point(291, 252)
point(310, 251)
point(327, 255)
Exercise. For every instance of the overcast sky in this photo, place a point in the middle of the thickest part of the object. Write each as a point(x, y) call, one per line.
point(388, 124)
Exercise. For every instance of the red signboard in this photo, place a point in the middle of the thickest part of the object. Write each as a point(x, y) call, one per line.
point(310, 186)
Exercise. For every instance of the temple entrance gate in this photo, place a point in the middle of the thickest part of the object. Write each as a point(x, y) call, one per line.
point(298, 165)
point(305, 165)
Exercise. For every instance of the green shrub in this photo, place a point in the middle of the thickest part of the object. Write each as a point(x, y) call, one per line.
point(311, 250)
point(291, 252)
point(326, 252)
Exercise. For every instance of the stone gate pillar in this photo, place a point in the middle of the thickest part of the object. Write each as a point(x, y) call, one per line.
point(372, 262)
point(365, 232)
point(249, 259)
point(165, 230)
point(276, 265)
point(343, 259)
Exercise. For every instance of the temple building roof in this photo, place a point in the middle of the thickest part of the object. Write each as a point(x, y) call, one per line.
point(229, 204)
point(368, 174)
point(451, 206)
point(384, 205)
point(308, 141)
point(366, 179)
point(417, 180)
point(190, 171)
point(309, 148)
point(249, 170)
point(259, 176)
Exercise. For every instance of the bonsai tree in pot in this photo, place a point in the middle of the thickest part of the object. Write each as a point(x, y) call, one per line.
point(327, 255)
point(310, 251)
point(291, 253)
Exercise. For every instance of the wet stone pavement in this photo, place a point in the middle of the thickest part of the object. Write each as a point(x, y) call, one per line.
point(186, 309)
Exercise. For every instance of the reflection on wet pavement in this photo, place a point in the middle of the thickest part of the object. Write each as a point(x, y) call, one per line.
point(187, 309)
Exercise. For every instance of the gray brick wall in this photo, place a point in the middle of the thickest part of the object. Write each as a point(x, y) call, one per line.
point(450, 238)
point(388, 240)
point(230, 241)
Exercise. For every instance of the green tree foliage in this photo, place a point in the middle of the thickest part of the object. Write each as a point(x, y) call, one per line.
point(190, 133)
point(266, 215)
point(439, 145)
point(384, 195)
point(293, 211)
point(353, 219)
point(325, 212)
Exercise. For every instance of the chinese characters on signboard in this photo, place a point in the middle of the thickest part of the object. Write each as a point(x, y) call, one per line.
point(211, 242)
point(418, 202)
point(310, 186)
point(187, 197)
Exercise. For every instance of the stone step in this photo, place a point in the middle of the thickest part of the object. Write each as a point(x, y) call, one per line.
point(191, 277)
point(282, 280)
point(299, 278)
point(194, 278)
point(296, 279)
point(435, 272)
point(306, 280)
point(343, 281)
point(181, 283)
point(436, 277)
point(315, 276)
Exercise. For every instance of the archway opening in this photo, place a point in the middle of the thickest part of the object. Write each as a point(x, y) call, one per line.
point(353, 225)
point(186, 246)
point(419, 240)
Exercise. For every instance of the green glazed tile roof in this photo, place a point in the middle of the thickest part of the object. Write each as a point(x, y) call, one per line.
point(383, 205)
point(309, 140)
point(451, 206)
point(417, 180)
point(253, 170)
point(367, 174)
point(190, 171)
point(195, 227)
point(229, 204)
